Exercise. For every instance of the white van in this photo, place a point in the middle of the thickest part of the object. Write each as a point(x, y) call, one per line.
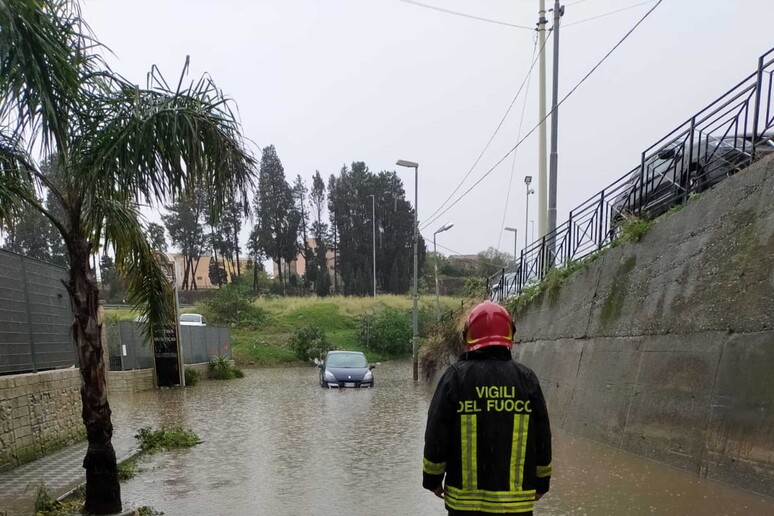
point(192, 320)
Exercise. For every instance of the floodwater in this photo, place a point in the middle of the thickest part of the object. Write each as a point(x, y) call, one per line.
point(275, 443)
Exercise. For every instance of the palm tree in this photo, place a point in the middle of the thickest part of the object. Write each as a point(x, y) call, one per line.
point(112, 145)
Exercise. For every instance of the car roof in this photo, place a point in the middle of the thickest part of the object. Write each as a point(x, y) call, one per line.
point(341, 351)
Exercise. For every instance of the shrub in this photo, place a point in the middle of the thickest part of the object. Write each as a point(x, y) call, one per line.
point(192, 376)
point(127, 470)
point(233, 306)
point(152, 441)
point(48, 505)
point(223, 370)
point(475, 288)
point(147, 510)
point(632, 230)
point(388, 332)
point(309, 341)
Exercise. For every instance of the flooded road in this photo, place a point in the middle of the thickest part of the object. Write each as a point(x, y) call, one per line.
point(278, 444)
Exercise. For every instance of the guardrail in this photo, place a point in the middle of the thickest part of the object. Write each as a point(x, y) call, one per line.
point(718, 141)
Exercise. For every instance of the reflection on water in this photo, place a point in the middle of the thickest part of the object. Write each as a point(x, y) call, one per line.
point(278, 444)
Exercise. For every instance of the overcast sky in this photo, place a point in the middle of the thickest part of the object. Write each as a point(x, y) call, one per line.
point(329, 82)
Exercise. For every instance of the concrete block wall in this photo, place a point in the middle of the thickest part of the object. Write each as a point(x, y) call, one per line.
point(665, 348)
point(39, 413)
point(121, 382)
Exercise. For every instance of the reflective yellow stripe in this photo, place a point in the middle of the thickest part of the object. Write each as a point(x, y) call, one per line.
point(469, 455)
point(518, 450)
point(544, 471)
point(492, 507)
point(489, 496)
point(433, 468)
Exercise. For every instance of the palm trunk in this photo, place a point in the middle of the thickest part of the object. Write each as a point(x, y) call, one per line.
point(103, 492)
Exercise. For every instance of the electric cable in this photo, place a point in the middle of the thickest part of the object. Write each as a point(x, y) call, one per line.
point(518, 143)
point(513, 164)
point(608, 14)
point(464, 15)
point(497, 129)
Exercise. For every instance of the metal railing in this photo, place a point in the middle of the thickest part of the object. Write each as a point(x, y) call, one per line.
point(718, 141)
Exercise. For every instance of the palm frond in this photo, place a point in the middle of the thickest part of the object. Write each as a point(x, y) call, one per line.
point(155, 144)
point(16, 187)
point(44, 53)
point(147, 287)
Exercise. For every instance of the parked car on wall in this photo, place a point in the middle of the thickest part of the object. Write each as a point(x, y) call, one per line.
point(192, 320)
point(346, 369)
point(678, 167)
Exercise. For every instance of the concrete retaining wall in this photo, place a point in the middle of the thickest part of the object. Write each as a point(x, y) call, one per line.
point(39, 413)
point(665, 348)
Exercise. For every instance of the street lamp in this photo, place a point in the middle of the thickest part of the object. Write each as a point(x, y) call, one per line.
point(515, 244)
point(443, 228)
point(373, 227)
point(415, 339)
point(527, 181)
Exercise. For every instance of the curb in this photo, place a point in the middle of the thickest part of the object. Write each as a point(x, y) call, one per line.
point(129, 512)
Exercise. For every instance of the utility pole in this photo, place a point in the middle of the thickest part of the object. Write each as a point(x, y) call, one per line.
point(542, 169)
point(554, 163)
point(443, 228)
point(373, 228)
point(415, 294)
point(527, 181)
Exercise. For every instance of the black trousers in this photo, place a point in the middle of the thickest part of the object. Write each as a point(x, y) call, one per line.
point(452, 512)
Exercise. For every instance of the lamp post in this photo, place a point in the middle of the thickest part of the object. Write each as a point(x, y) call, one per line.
point(415, 339)
point(515, 243)
point(527, 181)
point(443, 228)
point(373, 232)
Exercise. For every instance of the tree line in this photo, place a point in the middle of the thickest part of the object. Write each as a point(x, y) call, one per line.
point(331, 225)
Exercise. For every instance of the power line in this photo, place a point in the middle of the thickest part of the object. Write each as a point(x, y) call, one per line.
point(513, 164)
point(491, 138)
point(465, 15)
point(608, 14)
point(518, 143)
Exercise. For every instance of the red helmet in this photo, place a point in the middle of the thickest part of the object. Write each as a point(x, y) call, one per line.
point(488, 324)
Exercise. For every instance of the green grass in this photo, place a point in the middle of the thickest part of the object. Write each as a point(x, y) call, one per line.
point(337, 316)
point(152, 441)
point(120, 314)
point(48, 505)
point(127, 470)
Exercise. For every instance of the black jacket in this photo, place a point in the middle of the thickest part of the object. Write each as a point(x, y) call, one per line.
point(488, 434)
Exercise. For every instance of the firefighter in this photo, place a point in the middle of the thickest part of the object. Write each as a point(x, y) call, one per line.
point(488, 440)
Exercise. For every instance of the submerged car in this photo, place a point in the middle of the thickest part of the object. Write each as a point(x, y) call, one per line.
point(346, 369)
